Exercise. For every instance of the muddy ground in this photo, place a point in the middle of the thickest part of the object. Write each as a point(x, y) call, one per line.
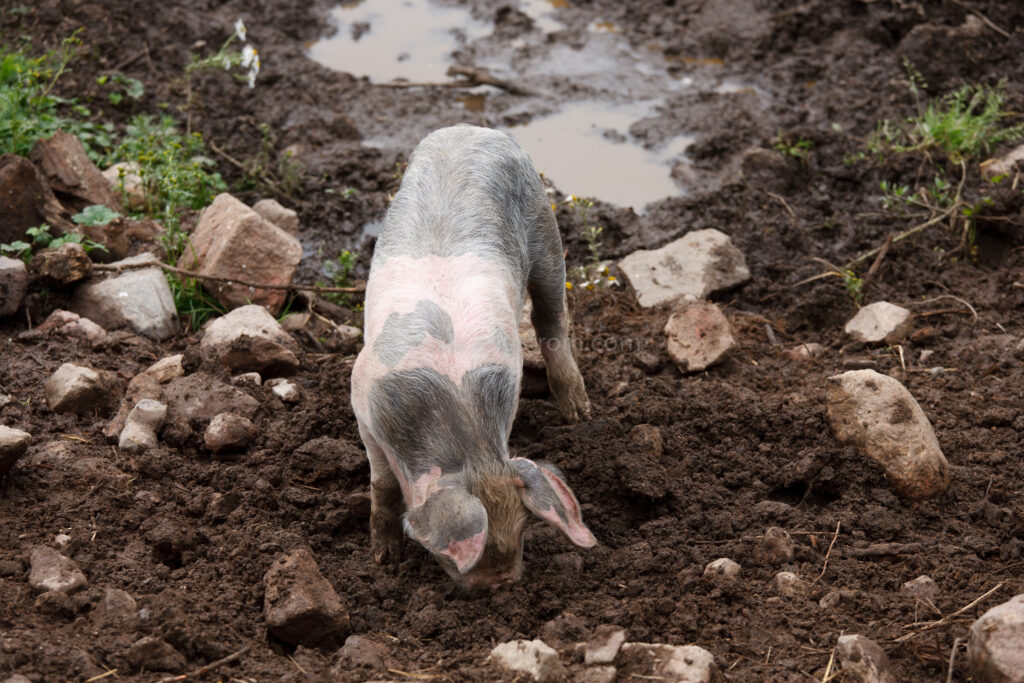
point(746, 444)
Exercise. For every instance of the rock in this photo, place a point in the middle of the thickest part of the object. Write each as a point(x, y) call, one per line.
point(722, 569)
point(776, 547)
point(115, 608)
point(1004, 165)
point(222, 504)
point(228, 431)
point(698, 264)
point(54, 603)
point(51, 571)
point(603, 646)
point(250, 339)
point(863, 660)
point(767, 169)
point(13, 444)
point(124, 180)
point(251, 379)
point(81, 390)
point(995, 646)
point(139, 298)
point(300, 606)
point(155, 654)
point(13, 284)
point(698, 336)
point(16, 678)
point(201, 397)
point(69, 170)
point(532, 657)
point(142, 425)
point(880, 322)
point(27, 200)
point(272, 212)
point(285, 389)
point(361, 651)
point(639, 466)
point(233, 241)
point(67, 264)
point(70, 324)
point(921, 588)
point(682, 664)
point(165, 369)
point(597, 674)
point(789, 585)
point(879, 417)
point(806, 351)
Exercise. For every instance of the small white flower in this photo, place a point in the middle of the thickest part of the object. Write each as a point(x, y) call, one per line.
point(248, 55)
point(240, 29)
point(254, 68)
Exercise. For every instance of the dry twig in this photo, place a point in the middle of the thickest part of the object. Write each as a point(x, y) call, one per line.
point(946, 620)
point(828, 554)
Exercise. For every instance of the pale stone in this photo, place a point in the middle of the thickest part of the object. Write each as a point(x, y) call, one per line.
point(880, 322)
point(776, 547)
point(142, 425)
point(51, 571)
point(13, 444)
point(995, 647)
point(722, 568)
point(863, 660)
point(878, 416)
point(125, 181)
point(139, 298)
point(603, 646)
point(922, 588)
point(789, 585)
point(233, 241)
point(285, 389)
point(698, 336)
point(272, 211)
point(250, 339)
point(681, 664)
point(805, 351)
point(77, 389)
point(116, 607)
point(532, 657)
point(202, 397)
point(228, 431)
point(13, 284)
point(1004, 165)
point(698, 264)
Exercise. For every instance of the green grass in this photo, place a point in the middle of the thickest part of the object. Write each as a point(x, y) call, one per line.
point(965, 124)
point(29, 110)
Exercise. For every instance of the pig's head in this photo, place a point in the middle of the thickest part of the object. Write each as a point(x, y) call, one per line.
point(473, 522)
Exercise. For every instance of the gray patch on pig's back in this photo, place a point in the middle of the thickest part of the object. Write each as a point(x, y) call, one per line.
point(467, 190)
point(426, 419)
point(503, 342)
point(403, 332)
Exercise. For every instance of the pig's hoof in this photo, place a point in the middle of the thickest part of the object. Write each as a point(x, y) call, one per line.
point(387, 548)
point(574, 404)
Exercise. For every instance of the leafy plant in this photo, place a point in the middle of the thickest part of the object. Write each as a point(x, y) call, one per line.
point(96, 214)
point(799, 149)
point(340, 272)
point(29, 110)
point(594, 272)
point(131, 87)
point(42, 239)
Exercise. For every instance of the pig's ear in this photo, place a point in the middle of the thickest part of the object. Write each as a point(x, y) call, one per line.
point(451, 522)
point(547, 495)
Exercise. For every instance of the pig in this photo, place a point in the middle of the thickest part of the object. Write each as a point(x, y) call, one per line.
point(436, 386)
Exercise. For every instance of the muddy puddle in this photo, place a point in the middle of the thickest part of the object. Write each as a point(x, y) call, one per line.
point(586, 96)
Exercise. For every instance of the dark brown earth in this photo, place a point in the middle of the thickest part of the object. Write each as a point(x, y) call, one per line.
point(746, 444)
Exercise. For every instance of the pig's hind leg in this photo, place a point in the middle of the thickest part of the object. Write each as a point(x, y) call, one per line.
point(386, 504)
point(550, 317)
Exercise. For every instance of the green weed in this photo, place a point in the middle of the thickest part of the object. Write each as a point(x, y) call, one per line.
point(340, 272)
point(96, 214)
point(42, 239)
point(800, 149)
point(594, 272)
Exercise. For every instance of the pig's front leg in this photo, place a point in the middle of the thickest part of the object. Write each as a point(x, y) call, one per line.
point(386, 504)
point(550, 319)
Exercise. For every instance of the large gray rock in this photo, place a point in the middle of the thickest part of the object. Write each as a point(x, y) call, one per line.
point(698, 264)
point(995, 647)
point(300, 605)
point(863, 660)
point(139, 298)
point(880, 322)
point(81, 390)
point(51, 571)
point(13, 444)
point(532, 657)
point(680, 664)
point(879, 417)
point(250, 339)
point(13, 284)
point(698, 336)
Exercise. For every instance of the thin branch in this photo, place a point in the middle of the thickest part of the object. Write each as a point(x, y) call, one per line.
point(988, 22)
point(211, 666)
point(828, 554)
point(928, 626)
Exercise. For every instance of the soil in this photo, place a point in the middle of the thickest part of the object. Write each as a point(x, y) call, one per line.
point(745, 445)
